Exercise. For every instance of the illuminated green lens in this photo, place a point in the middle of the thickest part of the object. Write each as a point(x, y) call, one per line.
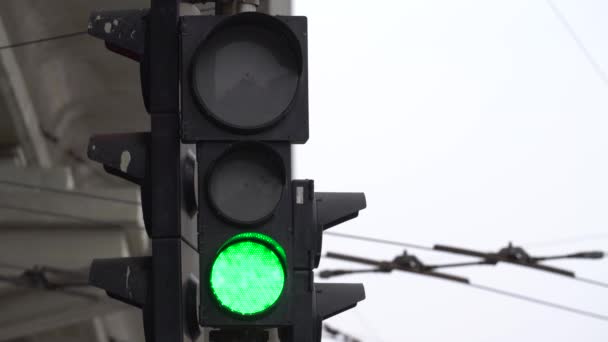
point(248, 275)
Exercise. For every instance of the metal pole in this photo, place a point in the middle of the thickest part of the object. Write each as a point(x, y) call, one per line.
point(277, 7)
point(272, 7)
point(248, 5)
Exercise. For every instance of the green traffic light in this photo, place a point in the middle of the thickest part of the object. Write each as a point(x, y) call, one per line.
point(248, 275)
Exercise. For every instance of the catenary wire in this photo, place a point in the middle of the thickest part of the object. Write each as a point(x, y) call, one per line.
point(538, 301)
point(42, 40)
point(420, 247)
point(531, 299)
point(381, 241)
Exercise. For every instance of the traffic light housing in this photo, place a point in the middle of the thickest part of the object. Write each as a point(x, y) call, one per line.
point(244, 77)
point(244, 101)
point(164, 284)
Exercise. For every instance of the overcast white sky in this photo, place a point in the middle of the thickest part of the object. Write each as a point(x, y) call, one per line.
point(469, 123)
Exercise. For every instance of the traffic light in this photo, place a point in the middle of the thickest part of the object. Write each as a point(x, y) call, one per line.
point(165, 284)
point(231, 231)
point(244, 102)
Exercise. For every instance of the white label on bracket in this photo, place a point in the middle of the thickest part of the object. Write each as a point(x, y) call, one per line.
point(300, 195)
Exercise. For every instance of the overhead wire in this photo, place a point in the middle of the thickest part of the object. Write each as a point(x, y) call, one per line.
point(329, 233)
point(374, 240)
point(47, 135)
point(507, 294)
point(42, 40)
point(538, 301)
point(591, 281)
point(381, 241)
point(57, 215)
point(515, 259)
point(96, 221)
point(338, 235)
point(130, 202)
point(431, 249)
point(579, 42)
point(566, 240)
point(425, 248)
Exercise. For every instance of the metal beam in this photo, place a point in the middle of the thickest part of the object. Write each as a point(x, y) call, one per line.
point(108, 229)
point(43, 311)
point(58, 177)
point(24, 312)
point(34, 197)
point(24, 116)
point(19, 208)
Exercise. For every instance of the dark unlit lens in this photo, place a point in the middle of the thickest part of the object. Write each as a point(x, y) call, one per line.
point(246, 184)
point(246, 76)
